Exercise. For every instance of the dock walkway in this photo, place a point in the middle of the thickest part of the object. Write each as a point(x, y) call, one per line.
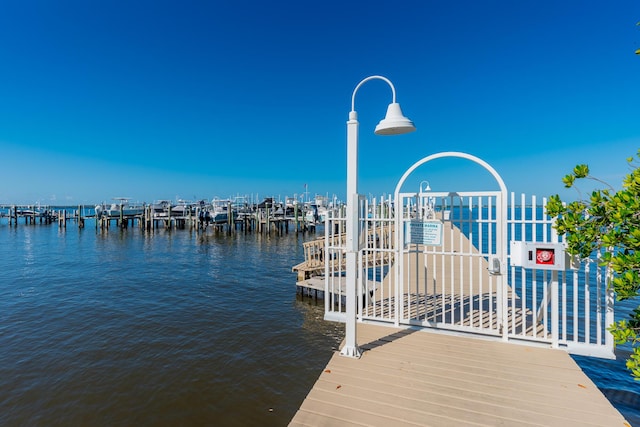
point(409, 377)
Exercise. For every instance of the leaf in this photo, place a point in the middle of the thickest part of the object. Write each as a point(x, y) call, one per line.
point(581, 171)
point(328, 371)
point(608, 223)
point(582, 386)
point(568, 180)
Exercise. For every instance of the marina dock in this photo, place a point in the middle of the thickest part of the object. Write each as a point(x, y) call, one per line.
point(410, 377)
point(221, 215)
point(461, 350)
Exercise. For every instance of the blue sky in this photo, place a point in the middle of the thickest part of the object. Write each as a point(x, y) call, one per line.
point(197, 99)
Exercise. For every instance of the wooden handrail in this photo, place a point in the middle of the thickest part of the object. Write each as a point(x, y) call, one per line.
point(314, 258)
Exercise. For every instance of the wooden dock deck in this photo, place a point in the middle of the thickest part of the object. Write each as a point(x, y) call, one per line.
point(314, 287)
point(409, 377)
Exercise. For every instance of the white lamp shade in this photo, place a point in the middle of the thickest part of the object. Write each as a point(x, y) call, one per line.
point(394, 123)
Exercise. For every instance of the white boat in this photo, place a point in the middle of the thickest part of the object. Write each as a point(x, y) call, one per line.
point(182, 208)
point(31, 212)
point(160, 208)
point(241, 208)
point(118, 209)
point(322, 206)
point(311, 216)
point(278, 211)
point(219, 213)
point(316, 211)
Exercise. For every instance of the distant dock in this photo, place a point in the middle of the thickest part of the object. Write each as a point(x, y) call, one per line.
point(30, 215)
point(265, 217)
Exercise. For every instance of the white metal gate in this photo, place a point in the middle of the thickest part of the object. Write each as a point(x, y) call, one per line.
point(449, 263)
point(452, 255)
point(440, 260)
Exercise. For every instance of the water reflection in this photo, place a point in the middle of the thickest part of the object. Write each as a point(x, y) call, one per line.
point(314, 323)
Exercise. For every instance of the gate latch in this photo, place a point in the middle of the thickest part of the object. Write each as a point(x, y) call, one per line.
point(495, 266)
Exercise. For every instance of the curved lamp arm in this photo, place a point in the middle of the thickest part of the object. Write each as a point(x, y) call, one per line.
point(353, 97)
point(394, 122)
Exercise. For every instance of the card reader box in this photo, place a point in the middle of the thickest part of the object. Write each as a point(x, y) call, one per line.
point(539, 255)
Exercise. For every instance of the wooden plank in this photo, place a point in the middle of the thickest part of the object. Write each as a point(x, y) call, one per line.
point(414, 377)
point(317, 283)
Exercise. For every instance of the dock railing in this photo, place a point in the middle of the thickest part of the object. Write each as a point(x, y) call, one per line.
point(314, 262)
point(449, 287)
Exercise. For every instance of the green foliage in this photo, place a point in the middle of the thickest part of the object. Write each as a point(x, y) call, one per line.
point(628, 331)
point(608, 220)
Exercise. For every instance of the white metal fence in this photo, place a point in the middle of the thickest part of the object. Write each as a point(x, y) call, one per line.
point(570, 308)
point(459, 284)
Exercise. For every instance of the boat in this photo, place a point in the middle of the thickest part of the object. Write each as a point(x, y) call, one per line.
point(322, 206)
point(118, 209)
point(278, 211)
point(32, 212)
point(311, 214)
point(182, 208)
point(160, 208)
point(291, 207)
point(242, 209)
point(220, 211)
point(316, 211)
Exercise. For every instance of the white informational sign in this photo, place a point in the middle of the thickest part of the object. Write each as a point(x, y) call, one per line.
point(425, 232)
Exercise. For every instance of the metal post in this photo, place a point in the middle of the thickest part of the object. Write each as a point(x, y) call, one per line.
point(350, 348)
point(394, 123)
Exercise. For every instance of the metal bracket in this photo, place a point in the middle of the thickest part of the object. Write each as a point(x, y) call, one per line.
point(495, 266)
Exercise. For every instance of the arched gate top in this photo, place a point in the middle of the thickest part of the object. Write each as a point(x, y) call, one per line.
point(487, 166)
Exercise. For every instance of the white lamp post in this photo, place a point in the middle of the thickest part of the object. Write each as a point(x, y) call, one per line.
point(394, 123)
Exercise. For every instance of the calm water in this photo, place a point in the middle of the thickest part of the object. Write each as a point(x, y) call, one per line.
point(171, 328)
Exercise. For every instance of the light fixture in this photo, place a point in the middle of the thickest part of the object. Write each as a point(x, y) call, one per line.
point(394, 123)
